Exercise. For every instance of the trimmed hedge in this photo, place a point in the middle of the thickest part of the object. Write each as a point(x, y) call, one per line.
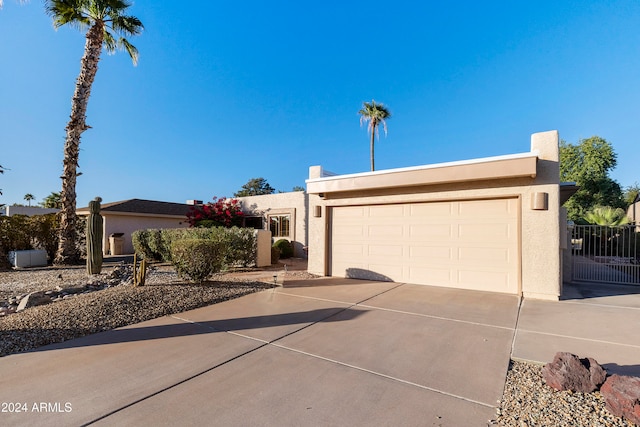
point(286, 248)
point(239, 244)
point(197, 259)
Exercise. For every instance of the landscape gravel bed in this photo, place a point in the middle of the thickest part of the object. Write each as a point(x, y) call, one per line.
point(527, 402)
point(92, 312)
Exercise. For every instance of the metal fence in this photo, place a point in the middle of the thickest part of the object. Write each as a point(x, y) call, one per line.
point(606, 254)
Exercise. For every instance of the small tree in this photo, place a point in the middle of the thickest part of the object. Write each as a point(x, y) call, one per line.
point(588, 164)
point(28, 198)
point(221, 212)
point(255, 187)
point(607, 216)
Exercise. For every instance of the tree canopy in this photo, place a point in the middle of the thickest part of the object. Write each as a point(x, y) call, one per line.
point(52, 201)
point(588, 164)
point(255, 187)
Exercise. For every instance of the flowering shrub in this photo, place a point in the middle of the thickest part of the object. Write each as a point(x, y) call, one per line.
point(221, 212)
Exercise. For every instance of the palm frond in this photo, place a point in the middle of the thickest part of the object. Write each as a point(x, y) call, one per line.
point(131, 49)
point(126, 25)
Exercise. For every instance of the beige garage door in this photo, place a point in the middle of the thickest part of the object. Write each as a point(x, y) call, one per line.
point(464, 244)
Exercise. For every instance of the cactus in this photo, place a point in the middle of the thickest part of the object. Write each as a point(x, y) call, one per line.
point(139, 276)
point(94, 237)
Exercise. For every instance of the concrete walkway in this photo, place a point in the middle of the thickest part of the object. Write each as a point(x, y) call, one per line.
point(341, 352)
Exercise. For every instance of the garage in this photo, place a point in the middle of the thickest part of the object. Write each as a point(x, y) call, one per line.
point(469, 244)
point(491, 224)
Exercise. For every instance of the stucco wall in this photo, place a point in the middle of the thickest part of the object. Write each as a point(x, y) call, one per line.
point(539, 229)
point(128, 223)
point(293, 203)
point(28, 210)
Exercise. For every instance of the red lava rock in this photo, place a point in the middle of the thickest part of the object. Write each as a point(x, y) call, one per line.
point(622, 397)
point(569, 372)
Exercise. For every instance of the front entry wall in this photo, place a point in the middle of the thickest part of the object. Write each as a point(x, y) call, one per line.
point(470, 244)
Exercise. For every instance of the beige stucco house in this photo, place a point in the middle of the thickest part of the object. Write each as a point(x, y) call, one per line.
point(491, 224)
point(125, 217)
point(284, 214)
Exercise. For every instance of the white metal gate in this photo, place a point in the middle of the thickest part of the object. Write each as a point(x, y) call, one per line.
point(606, 254)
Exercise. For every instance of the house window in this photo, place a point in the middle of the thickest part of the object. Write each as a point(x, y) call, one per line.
point(253, 222)
point(279, 225)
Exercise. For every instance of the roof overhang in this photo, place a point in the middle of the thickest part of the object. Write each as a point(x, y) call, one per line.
point(567, 189)
point(489, 168)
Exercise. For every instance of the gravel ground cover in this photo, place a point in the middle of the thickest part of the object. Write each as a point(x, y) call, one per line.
point(88, 313)
point(528, 402)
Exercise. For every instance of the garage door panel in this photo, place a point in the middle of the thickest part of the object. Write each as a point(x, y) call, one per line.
point(487, 208)
point(424, 253)
point(386, 250)
point(431, 210)
point(473, 255)
point(429, 232)
point(484, 232)
point(350, 231)
point(386, 211)
point(466, 244)
point(382, 231)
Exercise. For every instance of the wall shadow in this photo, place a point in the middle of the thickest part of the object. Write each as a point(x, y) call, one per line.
point(573, 291)
point(177, 328)
point(364, 274)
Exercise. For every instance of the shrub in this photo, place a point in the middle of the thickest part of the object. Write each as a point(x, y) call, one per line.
point(239, 244)
point(221, 212)
point(286, 249)
point(275, 255)
point(241, 247)
point(197, 259)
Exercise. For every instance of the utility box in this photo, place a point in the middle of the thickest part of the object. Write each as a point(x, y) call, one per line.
point(31, 258)
point(116, 244)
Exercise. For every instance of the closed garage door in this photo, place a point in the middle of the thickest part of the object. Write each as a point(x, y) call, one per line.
point(465, 244)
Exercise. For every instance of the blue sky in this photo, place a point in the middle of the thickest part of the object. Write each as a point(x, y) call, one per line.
point(228, 91)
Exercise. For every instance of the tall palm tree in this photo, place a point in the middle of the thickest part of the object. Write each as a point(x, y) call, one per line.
point(374, 114)
point(28, 198)
point(106, 25)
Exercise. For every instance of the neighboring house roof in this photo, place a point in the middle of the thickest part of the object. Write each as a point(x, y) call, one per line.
point(139, 206)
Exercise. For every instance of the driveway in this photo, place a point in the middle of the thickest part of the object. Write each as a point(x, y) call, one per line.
point(340, 352)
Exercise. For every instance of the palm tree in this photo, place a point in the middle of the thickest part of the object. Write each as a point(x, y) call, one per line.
point(104, 20)
point(29, 197)
point(607, 216)
point(374, 114)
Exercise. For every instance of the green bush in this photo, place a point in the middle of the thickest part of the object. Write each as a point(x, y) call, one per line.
point(275, 255)
point(286, 249)
point(21, 232)
point(239, 243)
point(241, 246)
point(197, 259)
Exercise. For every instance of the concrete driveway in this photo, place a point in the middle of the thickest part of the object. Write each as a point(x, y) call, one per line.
point(342, 352)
